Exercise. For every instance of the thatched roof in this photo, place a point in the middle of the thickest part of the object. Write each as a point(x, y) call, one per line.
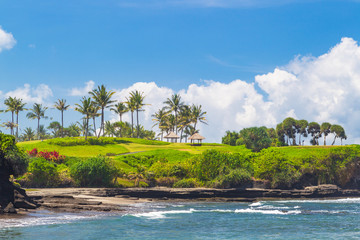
point(171, 135)
point(196, 136)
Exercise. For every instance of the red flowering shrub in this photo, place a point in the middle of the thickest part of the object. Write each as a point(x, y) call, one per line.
point(50, 156)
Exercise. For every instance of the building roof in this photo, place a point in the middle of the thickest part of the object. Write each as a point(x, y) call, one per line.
point(171, 135)
point(196, 136)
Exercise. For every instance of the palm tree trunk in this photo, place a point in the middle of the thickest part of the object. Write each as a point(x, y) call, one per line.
point(94, 126)
point(132, 123)
point(17, 125)
point(175, 123)
point(137, 122)
point(12, 121)
point(102, 127)
point(86, 128)
point(334, 141)
point(324, 140)
point(38, 130)
point(62, 124)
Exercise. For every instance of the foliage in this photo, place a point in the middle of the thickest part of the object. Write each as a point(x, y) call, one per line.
point(96, 171)
point(13, 161)
point(42, 173)
point(255, 138)
point(187, 183)
point(230, 138)
point(235, 178)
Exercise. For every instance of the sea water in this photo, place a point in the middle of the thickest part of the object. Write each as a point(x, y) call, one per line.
point(293, 219)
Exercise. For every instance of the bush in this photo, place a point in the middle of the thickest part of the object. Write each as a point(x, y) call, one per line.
point(42, 173)
point(50, 156)
point(96, 171)
point(165, 181)
point(187, 183)
point(235, 178)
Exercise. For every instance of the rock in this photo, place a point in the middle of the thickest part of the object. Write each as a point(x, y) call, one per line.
point(22, 203)
point(10, 208)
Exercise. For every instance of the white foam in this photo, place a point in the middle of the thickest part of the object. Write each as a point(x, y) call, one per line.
point(276, 212)
point(255, 204)
point(341, 200)
point(162, 214)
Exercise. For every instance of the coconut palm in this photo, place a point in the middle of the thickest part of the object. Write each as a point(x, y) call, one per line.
point(138, 100)
point(120, 108)
point(10, 102)
point(85, 109)
point(19, 106)
point(197, 115)
point(37, 112)
point(184, 119)
point(94, 113)
point(159, 118)
point(9, 125)
point(174, 104)
point(61, 106)
point(102, 97)
point(29, 134)
point(131, 106)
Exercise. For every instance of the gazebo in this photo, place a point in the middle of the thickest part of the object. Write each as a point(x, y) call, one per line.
point(172, 136)
point(197, 137)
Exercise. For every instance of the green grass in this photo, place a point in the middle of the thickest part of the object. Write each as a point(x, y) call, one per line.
point(75, 151)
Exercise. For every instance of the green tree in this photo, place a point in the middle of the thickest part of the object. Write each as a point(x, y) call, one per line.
point(289, 126)
point(37, 112)
point(174, 104)
point(230, 138)
point(159, 118)
point(102, 97)
point(338, 132)
point(29, 134)
point(19, 106)
point(197, 115)
point(137, 98)
point(85, 109)
point(314, 131)
point(325, 130)
point(56, 129)
point(255, 138)
point(61, 106)
point(130, 104)
point(120, 108)
point(301, 126)
point(10, 103)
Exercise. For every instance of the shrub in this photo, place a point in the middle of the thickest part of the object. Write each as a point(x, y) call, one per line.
point(235, 178)
point(50, 156)
point(96, 171)
point(42, 173)
point(187, 183)
point(165, 181)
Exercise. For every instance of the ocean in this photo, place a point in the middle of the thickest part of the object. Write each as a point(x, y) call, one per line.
point(288, 219)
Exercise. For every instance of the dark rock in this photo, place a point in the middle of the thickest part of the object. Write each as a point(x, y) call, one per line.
point(10, 208)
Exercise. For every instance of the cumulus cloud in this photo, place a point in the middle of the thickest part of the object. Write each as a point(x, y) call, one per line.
point(323, 88)
point(32, 95)
point(89, 86)
point(7, 40)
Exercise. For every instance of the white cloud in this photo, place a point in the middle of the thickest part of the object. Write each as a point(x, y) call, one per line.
point(7, 40)
point(32, 95)
point(89, 86)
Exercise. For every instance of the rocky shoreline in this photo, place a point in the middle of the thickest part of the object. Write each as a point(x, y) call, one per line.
point(119, 199)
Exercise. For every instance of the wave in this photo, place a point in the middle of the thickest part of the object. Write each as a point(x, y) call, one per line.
point(276, 212)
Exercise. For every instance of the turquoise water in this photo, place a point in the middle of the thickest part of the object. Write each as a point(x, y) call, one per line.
point(296, 219)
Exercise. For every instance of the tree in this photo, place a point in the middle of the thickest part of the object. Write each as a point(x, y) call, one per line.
point(137, 98)
point(189, 131)
point(174, 104)
point(230, 138)
point(325, 130)
point(338, 132)
point(56, 129)
point(94, 109)
point(289, 126)
point(159, 118)
point(61, 106)
point(131, 106)
point(255, 138)
point(10, 125)
point(19, 106)
point(11, 105)
point(29, 134)
point(301, 126)
point(197, 115)
point(72, 130)
point(37, 112)
point(85, 109)
point(120, 108)
point(314, 131)
point(280, 133)
point(185, 118)
point(102, 97)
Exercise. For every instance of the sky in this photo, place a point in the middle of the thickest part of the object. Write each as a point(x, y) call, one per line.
point(247, 62)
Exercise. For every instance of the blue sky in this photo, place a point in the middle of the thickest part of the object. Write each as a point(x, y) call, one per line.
point(65, 44)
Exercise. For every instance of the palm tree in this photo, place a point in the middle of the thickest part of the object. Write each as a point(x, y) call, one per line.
point(197, 115)
point(19, 106)
point(301, 126)
point(174, 104)
point(159, 118)
point(10, 103)
point(120, 108)
point(103, 99)
point(314, 130)
point(29, 134)
point(110, 129)
point(37, 112)
point(94, 113)
point(338, 132)
point(184, 119)
point(325, 129)
point(131, 106)
point(85, 109)
point(189, 131)
point(61, 106)
point(10, 125)
point(138, 100)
